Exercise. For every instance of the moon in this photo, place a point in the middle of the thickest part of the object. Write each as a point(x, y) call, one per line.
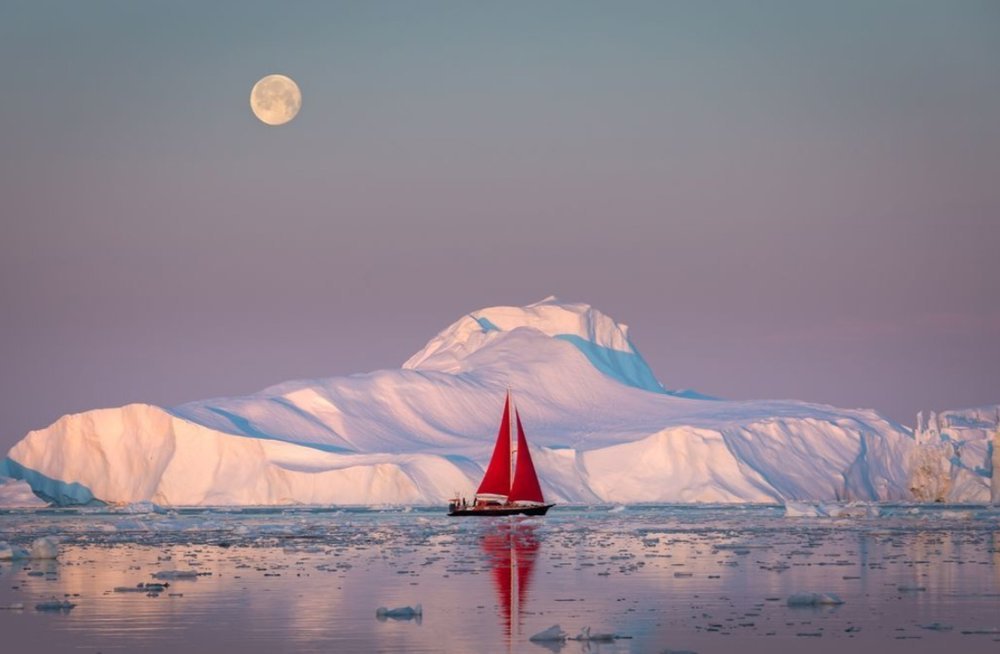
point(275, 99)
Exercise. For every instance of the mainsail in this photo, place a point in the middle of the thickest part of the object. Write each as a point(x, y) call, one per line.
point(496, 481)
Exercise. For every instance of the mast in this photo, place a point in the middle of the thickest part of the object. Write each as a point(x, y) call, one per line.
point(513, 442)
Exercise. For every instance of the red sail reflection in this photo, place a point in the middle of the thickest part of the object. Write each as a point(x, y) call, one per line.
point(511, 549)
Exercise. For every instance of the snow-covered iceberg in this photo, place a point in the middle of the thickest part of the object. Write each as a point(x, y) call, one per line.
point(602, 427)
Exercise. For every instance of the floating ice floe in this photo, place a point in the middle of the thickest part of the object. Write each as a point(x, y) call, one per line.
point(802, 510)
point(9, 552)
point(142, 588)
point(814, 599)
point(555, 634)
point(400, 613)
point(16, 606)
point(830, 510)
point(175, 574)
point(139, 508)
point(46, 547)
point(586, 636)
point(955, 515)
point(54, 605)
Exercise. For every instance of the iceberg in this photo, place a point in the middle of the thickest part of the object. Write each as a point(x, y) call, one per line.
point(958, 455)
point(604, 430)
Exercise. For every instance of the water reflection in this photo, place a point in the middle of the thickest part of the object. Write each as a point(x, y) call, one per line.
point(667, 577)
point(511, 549)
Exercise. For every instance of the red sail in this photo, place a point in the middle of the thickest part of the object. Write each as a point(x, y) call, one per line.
point(525, 487)
point(496, 481)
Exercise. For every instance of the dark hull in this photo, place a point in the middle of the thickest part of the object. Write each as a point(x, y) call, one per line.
point(496, 510)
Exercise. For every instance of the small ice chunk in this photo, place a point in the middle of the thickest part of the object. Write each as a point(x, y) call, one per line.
point(16, 606)
point(955, 515)
point(802, 510)
point(400, 613)
point(11, 553)
point(830, 510)
point(814, 599)
point(143, 588)
point(46, 547)
point(141, 507)
point(937, 626)
point(586, 636)
point(553, 633)
point(54, 605)
point(852, 510)
point(175, 574)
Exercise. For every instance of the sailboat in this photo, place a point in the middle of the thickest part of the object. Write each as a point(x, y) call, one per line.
point(510, 485)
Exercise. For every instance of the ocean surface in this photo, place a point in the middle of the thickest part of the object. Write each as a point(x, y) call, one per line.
point(634, 578)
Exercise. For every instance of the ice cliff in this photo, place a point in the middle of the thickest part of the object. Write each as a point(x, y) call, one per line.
point(602, 429)
point(957, 455)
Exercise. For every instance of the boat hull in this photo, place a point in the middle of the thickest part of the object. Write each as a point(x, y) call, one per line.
point(496, 510)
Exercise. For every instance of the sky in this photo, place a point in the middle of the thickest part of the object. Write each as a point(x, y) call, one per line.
point(781, 199)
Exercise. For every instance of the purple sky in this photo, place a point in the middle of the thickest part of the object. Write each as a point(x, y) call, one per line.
point(782, 199)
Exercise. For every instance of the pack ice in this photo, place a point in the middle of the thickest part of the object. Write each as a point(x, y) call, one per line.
point(602, 428)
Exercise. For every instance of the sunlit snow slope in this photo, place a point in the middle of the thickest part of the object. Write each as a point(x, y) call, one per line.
point(602, 429)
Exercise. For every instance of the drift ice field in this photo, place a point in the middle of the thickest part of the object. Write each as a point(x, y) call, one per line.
point(603, 430)
point(697, 578)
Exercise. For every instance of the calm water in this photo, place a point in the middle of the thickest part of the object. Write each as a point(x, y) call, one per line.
point(706, 579)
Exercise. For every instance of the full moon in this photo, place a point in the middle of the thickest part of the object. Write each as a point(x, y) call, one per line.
point(275, 99)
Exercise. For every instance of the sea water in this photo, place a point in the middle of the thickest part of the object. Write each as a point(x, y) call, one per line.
point(905, 578)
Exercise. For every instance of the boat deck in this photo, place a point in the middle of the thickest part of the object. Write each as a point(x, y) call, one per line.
point(499, 510)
